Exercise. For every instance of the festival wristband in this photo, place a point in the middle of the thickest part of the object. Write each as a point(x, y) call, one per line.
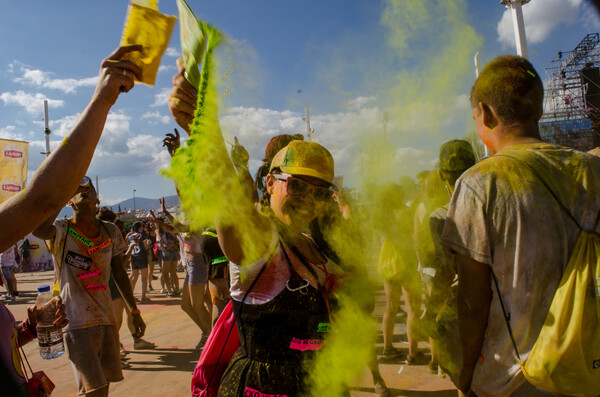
point(80, 238)
point(135, 312)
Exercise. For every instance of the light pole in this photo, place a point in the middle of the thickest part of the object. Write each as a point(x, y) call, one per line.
point(134, 201)
point(518, 24)
point(47, 131)
point(309, 131)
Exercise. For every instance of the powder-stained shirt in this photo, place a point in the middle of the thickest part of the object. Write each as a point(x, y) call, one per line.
point(84, 271)
point(8, 346)
point(502, 215)
point(190, 243)
point(7, 258)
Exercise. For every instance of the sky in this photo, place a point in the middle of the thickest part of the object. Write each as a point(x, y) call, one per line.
point(350, 61)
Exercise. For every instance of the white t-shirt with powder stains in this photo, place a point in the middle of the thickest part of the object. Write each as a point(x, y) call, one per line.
point(503, 216)
point(83, 273)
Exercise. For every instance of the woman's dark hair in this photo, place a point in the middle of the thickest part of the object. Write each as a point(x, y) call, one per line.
point(275, 145)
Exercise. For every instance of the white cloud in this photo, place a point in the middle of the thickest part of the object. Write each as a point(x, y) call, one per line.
point(119, 154)
point(33, 104)
point(360, 102)
point(341, 132)
point(172, 52)
point(141, 155)
point(541, 17)
point(111, 202)
point(164, 68)
point(156, 118)
point(354, 137)
point(161, 98)
point(61, 127)
point(39, 78)
point(590, 17)
point(10, 132)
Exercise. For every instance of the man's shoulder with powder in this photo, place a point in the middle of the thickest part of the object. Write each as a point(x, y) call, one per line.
point(439, 213)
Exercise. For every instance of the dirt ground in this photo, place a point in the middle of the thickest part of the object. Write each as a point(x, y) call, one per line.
point(167, 370)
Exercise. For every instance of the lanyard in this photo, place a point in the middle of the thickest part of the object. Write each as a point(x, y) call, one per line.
point(85, 241)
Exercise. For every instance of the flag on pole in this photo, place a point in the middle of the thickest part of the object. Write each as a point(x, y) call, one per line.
point(13, 167)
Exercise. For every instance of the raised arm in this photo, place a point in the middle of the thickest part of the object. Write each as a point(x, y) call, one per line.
point(244, 235)
point(57, 178)
point(47, 230)
point(174, 226)
point(240, 157)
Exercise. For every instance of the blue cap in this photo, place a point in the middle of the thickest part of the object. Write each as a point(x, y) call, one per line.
point(43, 288)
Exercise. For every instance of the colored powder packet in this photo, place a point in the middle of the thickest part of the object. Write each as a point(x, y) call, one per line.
point(193, 42)
point(146, 26)
point(56, 289)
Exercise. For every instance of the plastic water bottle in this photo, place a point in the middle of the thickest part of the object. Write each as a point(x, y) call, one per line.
point(50, 338)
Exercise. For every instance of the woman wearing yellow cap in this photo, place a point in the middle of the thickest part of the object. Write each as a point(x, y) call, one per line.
point(281, 283)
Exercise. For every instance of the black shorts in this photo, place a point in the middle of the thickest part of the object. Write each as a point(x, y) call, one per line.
point(139, 263)
point(169, 255)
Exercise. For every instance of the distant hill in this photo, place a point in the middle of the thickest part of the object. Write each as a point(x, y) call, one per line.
point(141, 203)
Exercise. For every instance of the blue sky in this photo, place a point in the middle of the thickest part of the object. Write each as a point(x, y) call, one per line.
point(335, 55)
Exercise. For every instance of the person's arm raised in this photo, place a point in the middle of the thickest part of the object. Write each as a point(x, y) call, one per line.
point(58, 176)
point(46, 230)
point(244, 234)
point(165, 226)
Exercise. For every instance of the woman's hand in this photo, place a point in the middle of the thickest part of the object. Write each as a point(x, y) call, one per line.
point(116, 75)
point(172, 142)
point(239, 156)
point(183, 99)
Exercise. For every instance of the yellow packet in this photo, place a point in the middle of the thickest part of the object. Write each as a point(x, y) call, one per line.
point(193, 42)
point(151, 29)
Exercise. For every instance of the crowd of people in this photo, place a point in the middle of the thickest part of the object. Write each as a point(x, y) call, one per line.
point(281, 264)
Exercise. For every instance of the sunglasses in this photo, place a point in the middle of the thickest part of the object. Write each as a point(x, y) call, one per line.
point(297, 188)
point(86, 182)
point(85, 185)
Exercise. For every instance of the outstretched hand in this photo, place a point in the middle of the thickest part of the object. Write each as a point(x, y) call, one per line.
point(172, 142)
point(183, 99)
point(239, 155)
point(117, 75)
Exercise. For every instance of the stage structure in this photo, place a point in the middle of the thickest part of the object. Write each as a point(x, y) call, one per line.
point(572, 96)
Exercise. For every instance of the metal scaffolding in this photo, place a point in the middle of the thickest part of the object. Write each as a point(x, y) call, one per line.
point(572, 88)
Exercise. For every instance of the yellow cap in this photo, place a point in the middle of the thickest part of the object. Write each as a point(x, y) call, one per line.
point(305, 158)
